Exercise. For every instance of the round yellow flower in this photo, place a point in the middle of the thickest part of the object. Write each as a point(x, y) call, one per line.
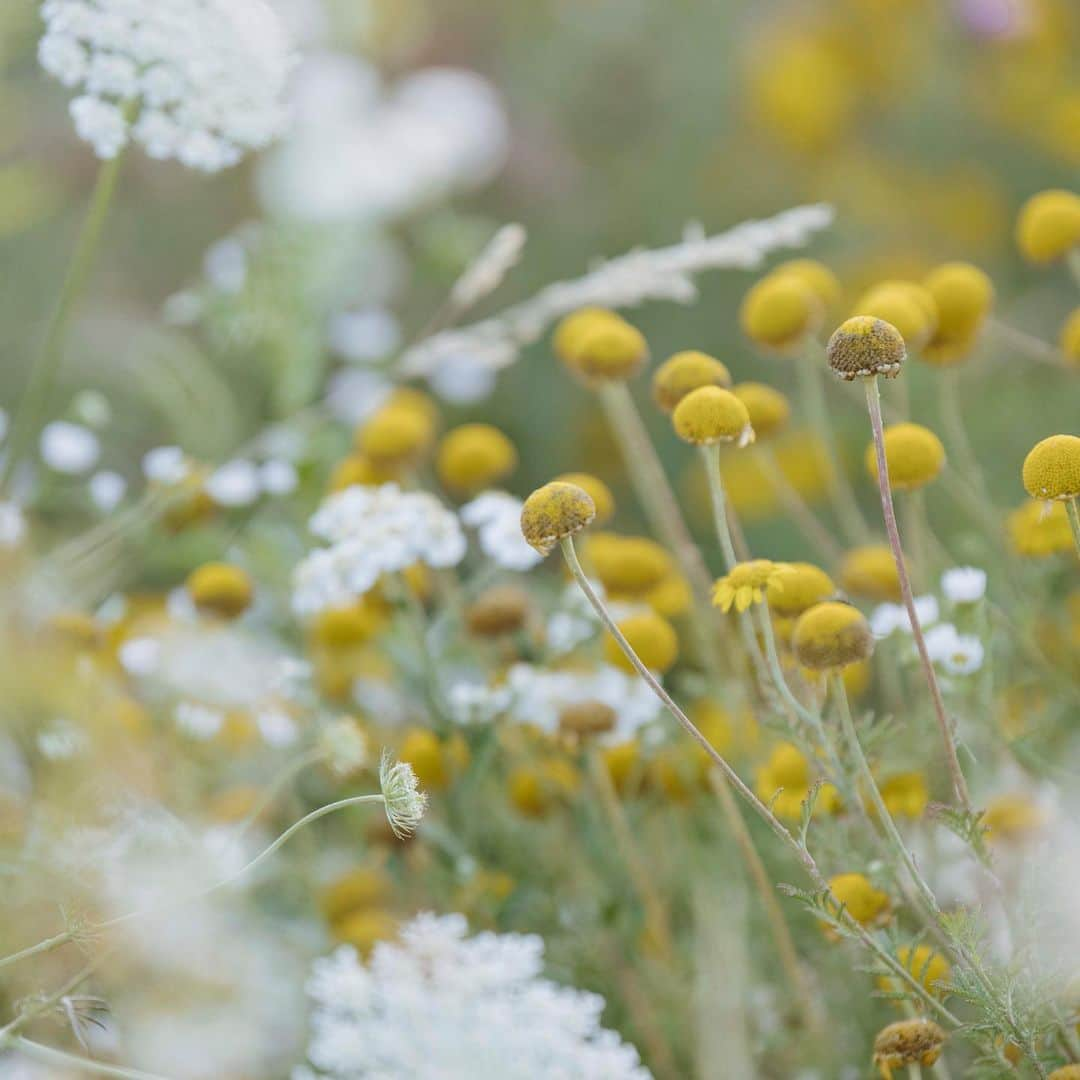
point(498, 611)
point(435, 762)
point(610, 351)
point(1039, 529)
point(747, 583)
point(1070, 337)
point(769, 410)
point(1065, 1072)
point(711, 415)
point(1048, 226)
point(816, 276)
point(907, 1042)
point(362, 887)
point(670, 597)
point(364, 929)
point(627, 566)
point(866, 904)
point(779, 312)
point(651, 637)
point(623, 764)
point(572, 330)
point(473, 457)
point(349, 626)
point(396, 436)
point(1052, 468)
point(864, 346)
point(798, 587)
point(359, 469)
point(554, 512)
point(904, 305)
point(586, 719)
point(686, 371)
point(869, 572)
point(928, 967)
point(904, 795)
point(964, 295)
point(597, 490)
point(220, 589)
point(913, 453)
point(830, 636)
point(1012, 817)
point(784, 781)
point(537, 788)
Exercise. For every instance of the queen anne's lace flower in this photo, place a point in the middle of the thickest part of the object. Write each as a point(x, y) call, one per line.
point(372, 531)
point(196, 80)
point(440, 1005)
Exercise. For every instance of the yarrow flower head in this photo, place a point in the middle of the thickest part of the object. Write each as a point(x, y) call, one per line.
point(438, 1004)
point(373, 531)
point(198, 81)
point(405, 802)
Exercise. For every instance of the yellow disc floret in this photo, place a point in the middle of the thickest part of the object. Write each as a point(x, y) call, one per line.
point(779, 312)
point(711, 415)
point(1039, 529)
point(610, 351)
point(1048, 226)
point(869, 572)
point(575, 327)
point(798, 587)
point(964, 295)
point(747, 583)
point(554, 512)
point(220, 589)
point(686, 371)
point(769, 410)
point(861, 900)
point(928, 967)
point(1052, 469)
point(915, 1042)
point(597, 490)
point(905, 305)
point(831, 635)
point(864, 346)
point(473, 457)
point(816, 276)
point(784, 782)
point(913, 453)
point(651, 636)
point(396, 436)
point(627, 566)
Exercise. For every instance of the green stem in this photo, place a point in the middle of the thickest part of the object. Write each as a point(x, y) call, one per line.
point(50, 1056)
point(1074, 521)
point(44, 368)
point(952, 421)
point(278, 784)
point(1073, 259)
point(41, 947)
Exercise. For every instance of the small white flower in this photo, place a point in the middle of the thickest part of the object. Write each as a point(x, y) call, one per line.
point(476, 703)
point(496, 516)
point(165, 465)
point(234, 484)
point(964, 584)
point(369, 334)
point(463, 380)
point(277, 477)
point(886, 619)
point(344, 745)
point(61, 742)
point(69, 448)
point(276, 727)
point(404, 801)
point(198, 721)
point(140, 656)
point(107, 489)
point(225, 265)
point(12, 525)
point(958, 654)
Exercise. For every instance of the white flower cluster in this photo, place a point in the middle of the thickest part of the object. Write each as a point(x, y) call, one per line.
point(200, 81)
point(496, 516)
point(372, 531)
point(886, 619)
point(958, 654)
point(441, 1006)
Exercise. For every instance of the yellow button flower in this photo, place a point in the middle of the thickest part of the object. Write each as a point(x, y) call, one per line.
point(915, 1042)
point(1039, 529)
point(473, 457)
point(220, 589)
point(831, 635)
point(913, 453)
point(800, 586)
point(768, 408)
point(1052, 468)
point(686, 371)
point(651, 636)
point(711, 415)
point(905, 305)
point(1048, 226)
point(964, 295)
point(869, 573)
point(864, 346)
point(554, 512)
point(779, 312)
point(597, 490)
point(866, 904)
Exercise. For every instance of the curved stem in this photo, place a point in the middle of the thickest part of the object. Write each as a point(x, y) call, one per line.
point(50, 1056)
point(278, 785)
point(952, 420)
point(1074, 521)
point(873, 402)
point(47, 362)
point(41, 947)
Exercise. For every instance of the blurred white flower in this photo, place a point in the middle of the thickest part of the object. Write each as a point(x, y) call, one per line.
point(140, 656)
point(496, 516)
point(165, 465)
point(198, 721)
point(278, 477)
point(200, 81)
point(369, 334)
point(69, 448)
point(476, 703)
point(372, 531)
point(964, 584)
point(357, 393)
point(575, 622)
point(61, 741)
point(886, 619)
point(345, 745)
point(276, 727)
point(234, 484)
point(463, 380)
point(441, 1006)
point(225, 265)
point(958, 654)
point(107, 489)
point(12, 525)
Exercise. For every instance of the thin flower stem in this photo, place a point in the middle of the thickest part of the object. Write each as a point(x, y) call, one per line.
point(41, 947)
point(1029, 346)
point(797, 508)
point(45, 365)
point(1073, 512)
point(811, 373)
point(799, 850)
point(279, 783)
point(873, 401)
point(913, 510)
point(48, 1055)
point(1073, 259)
point(952, 422)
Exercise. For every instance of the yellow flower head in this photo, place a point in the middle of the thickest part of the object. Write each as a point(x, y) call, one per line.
point(597, 490)
point(585, 719)
point(905, 795)
point(359, 469)
point(349, 626)
point(1052, 468)
point(610, 351)
point(1070, 337)
point(670, 597)
point(913, 453)
point(473, 457)
point(788, 769)
point(1065, 1072)
point(435, 762)
point(623, 763)
point(554, 512)
point(862, 901)
point(396, 436)
point(747, 584)
point(864, 346)
point(947, 352)
point(779, 312)
point(362, 887)
point(651, 636)
point(711, 415)
point(798, 587)
point(364, 929)
point(627, 566)
point(769, 409)
point(1048, 226)
point(869, 572)
point(831, 635)
point(575, 327)
point(927, 966)
point(498, 611)
point(964, 295)
point(904, 305)
point(220, 589)
point(1012, 817)
point(683, 372)
point(537, 788)
point(816, 276)
point(1038, 529)
point(907, 1042)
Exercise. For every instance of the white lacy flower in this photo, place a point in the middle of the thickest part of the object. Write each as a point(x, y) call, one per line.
point(497, 518)
point(886, 619)
point(442, 1006)
point(200, 81)
point(69, 448)
point(107, 488)
point(958, 654)
point(538, 697)
point(12, 525)
point(964, 584)
point(61, 741)
point(344, 745)
point(463, 380)
point(372, 531)
point(403, 800)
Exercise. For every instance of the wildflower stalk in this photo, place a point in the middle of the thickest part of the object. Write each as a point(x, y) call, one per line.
point(952, 420)
point(800, 851)
point(873, 401)
point(1073, 512)
point(47, 945)
point(811, 383)
point(1073, 259)
point(796, 507)
point(278, 784)
point(48, 1055)
point(1027, 345)
point(913, 509)
point(45, 365)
